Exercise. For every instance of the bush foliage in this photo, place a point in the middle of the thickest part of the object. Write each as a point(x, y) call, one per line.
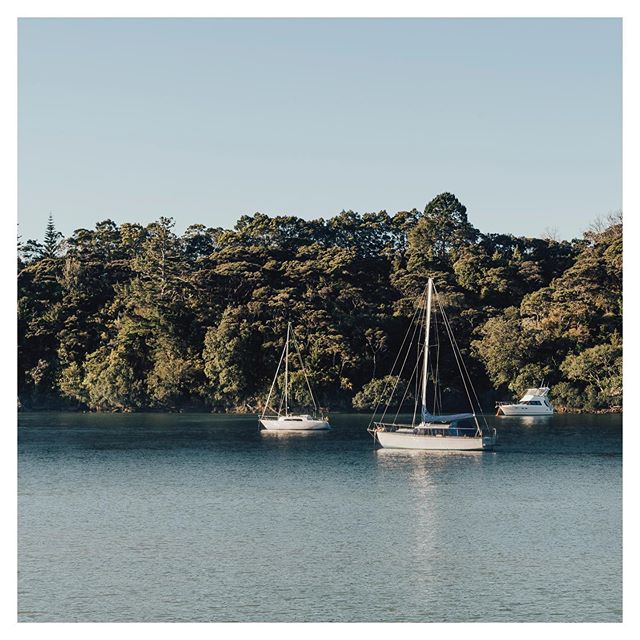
point(130, 317)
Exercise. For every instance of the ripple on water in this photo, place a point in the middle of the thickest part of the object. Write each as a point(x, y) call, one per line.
point(202, 518)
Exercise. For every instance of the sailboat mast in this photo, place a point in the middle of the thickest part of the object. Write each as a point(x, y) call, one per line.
point(286, 373)
point(426, 346)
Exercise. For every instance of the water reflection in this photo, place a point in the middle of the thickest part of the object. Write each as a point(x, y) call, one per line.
point(386, 535)
point(267, 433)
point(419, 457)
point(526, 421)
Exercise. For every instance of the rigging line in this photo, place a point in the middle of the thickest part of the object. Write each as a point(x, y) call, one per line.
point(394, 364)
point(458, 356)
point(434, 374)
point(437, 387)
point(406, 391)
point(284, 401)
point(468, 377)
point(416, 331)
point(304, 371)
point(384, 389)
point(272, 385)
point(395, 386)
point(415, 400)
point(433, 371)
point(281, 403)
point(484, 419)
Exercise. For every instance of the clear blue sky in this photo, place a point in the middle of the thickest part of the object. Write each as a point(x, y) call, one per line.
point(206, 120)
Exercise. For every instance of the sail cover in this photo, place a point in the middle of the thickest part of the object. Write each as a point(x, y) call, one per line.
point(454, 417)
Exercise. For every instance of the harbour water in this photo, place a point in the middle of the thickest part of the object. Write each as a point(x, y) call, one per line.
point(156, 517)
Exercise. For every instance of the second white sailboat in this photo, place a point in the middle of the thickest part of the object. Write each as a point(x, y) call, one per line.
point(281, 419)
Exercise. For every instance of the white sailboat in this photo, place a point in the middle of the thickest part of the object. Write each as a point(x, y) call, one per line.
point(535, 402)
point(433, 431)
point(281, 419)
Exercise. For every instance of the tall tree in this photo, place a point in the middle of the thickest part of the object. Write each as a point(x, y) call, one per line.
point(52, 240)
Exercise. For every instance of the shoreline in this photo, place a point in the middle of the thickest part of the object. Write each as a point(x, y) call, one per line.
point(236, 412)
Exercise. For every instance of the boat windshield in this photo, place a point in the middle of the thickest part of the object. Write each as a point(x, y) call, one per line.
point(537, 392)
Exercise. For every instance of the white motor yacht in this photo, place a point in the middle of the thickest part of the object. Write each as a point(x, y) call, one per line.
point(535, 402)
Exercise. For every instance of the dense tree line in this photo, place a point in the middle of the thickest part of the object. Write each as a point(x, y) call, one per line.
point(130, 317)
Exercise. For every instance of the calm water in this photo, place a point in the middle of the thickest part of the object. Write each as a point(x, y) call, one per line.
point(204, 518)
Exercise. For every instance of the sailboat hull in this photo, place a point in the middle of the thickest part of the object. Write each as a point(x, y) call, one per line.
point(294, 423)
point(403, 440)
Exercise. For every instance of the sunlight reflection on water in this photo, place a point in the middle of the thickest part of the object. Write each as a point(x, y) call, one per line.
point(206, 518)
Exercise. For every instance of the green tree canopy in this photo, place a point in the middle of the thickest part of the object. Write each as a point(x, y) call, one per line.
point(130, 317)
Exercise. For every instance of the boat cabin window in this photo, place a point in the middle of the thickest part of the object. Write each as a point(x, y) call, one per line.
point(294, 419)
point(534, 402)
